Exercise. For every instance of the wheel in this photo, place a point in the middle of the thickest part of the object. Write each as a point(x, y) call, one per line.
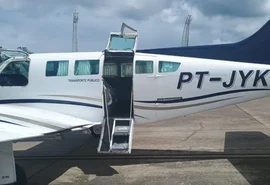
point(96, 131)
point(21, 176)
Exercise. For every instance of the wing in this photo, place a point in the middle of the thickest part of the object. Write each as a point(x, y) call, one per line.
point(17, 122)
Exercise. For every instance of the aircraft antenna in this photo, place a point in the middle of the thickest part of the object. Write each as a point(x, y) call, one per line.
point(74, 36)
point(185, 36)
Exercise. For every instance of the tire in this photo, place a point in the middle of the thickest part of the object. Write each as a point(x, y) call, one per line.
point(96, 131)
point(21, 176)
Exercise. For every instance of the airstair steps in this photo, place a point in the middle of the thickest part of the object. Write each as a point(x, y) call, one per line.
point(120, 137)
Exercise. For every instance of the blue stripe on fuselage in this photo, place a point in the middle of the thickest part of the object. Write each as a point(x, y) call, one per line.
point(12, 101)
point(12, 123)
point(203, 96)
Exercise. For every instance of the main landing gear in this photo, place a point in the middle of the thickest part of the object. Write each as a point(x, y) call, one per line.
point(96, 131)
point(10, 172)
point(20, 175)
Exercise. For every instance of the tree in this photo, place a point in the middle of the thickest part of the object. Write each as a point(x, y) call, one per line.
point(25, 49)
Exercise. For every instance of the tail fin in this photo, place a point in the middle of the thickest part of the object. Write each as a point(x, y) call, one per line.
point(254, 49)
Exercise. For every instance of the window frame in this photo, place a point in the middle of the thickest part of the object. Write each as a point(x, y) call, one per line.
point(67, 61)
point(153, 67)
point(158, 69)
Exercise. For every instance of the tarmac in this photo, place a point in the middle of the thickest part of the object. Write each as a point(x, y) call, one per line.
point(237, 129)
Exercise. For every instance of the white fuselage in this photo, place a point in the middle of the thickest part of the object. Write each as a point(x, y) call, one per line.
point(196, 85)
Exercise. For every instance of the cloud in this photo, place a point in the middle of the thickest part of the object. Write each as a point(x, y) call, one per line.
point(46, 26)
point(231, 8)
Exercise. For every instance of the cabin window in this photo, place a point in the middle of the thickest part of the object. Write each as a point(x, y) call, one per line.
point(57, 68)
point(165, 67)
point(143, 66)
point(86, 67)
point(126, 70)
point(15, 74)
point(110, 70)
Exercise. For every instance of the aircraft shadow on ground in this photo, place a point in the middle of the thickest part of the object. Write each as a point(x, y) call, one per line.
point(255, 171)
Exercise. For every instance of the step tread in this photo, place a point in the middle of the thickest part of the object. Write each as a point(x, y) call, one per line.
point(121, 146)
point(122, 129)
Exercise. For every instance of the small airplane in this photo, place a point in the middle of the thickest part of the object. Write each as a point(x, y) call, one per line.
point(107, 92)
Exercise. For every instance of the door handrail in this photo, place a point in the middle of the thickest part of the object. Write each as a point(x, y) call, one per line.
point(107, 112)
point(131, 104)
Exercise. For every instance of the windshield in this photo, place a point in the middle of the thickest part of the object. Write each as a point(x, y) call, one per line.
point(121, 43)
point(16, 67)
point(5, 55)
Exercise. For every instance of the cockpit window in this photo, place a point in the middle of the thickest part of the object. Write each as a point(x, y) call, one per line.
point(15, 74)
point(17, 67)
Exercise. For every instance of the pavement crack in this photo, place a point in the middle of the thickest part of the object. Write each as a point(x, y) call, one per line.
point(194, 132)
point(251, 116)
point(201, 126)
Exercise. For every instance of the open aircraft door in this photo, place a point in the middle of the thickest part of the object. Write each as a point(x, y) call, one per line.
point(117, 130)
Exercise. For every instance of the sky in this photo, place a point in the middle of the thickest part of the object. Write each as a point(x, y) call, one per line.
point(46, 25)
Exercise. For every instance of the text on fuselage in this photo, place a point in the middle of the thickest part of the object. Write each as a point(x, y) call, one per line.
point(259, 77)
